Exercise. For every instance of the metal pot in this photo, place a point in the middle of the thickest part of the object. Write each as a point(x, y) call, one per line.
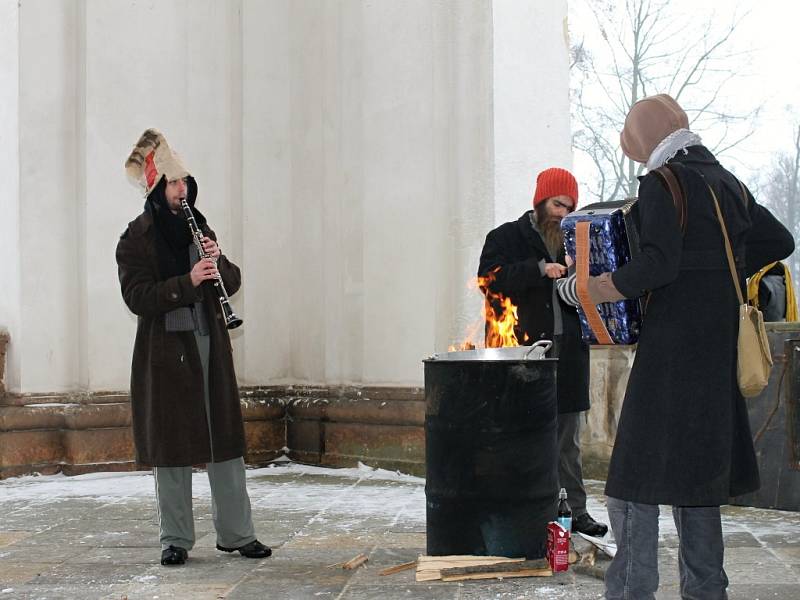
point(535, 352)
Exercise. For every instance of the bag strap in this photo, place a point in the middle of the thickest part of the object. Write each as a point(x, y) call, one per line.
point(678, 197)
point(728, 250)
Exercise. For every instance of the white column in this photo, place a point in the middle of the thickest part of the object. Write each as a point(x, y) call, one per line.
point(400, 235)
point(343, 218)
point(463, 164)
point(10, 266)
point(267, 192)
point(49, 208)
point(531, 99)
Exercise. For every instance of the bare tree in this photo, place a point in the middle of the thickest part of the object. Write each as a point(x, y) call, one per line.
point(780, 191)
point(644, 51)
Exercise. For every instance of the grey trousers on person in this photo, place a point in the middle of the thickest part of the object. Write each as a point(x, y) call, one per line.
point(570, 469)
point(230, 503)
point(633, 573)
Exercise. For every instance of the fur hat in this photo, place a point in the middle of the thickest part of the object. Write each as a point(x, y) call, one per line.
point(649, 121)
point(555, 182)
point(152, 159)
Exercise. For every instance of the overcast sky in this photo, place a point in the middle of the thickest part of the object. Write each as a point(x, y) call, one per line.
point(771, 31)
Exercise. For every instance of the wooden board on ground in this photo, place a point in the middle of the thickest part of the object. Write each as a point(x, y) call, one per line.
point(398, 568)
point(430, 568)
point(356, 561)
point(526, 568)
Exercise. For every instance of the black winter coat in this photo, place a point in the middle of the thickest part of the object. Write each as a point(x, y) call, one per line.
point(517, 249)
point(167, 401)
point(684, 437)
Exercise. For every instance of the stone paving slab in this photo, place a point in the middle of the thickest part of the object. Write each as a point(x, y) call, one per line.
point(95, 536)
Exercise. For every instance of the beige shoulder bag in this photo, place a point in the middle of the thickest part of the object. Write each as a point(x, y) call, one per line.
point(754, 360)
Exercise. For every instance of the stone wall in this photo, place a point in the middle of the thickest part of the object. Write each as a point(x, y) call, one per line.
point(336, 426)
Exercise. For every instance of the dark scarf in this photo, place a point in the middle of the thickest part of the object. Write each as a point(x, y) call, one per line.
point(173, 236)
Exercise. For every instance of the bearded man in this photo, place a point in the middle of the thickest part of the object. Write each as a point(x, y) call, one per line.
point(523, 258)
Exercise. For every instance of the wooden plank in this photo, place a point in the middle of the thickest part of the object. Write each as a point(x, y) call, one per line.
point(500, 575)
point(398, 568)
point(525, 565)
point(429, 568)
point(356, 561)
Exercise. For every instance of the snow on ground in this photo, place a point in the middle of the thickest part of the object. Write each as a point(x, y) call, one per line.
point(293, 487)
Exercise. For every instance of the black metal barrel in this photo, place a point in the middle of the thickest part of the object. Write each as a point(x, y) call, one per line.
point(491, 453)
point(775, 423)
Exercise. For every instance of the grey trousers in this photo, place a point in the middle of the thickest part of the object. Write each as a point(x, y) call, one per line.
point(633, 573)
point(230, 503)
point(570, 468)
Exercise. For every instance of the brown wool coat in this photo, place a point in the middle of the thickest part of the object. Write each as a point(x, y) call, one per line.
point(168, 408)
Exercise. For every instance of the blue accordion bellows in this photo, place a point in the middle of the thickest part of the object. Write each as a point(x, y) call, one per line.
point(613, 241)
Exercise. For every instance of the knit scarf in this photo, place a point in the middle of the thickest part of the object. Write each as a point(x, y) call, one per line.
point(672, 144)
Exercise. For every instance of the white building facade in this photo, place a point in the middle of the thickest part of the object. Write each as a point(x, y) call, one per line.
point(350, 154)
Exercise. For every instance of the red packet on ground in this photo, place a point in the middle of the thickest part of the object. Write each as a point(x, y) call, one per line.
point(557, 547)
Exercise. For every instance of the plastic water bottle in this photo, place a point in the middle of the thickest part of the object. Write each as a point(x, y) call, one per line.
point(564, 511)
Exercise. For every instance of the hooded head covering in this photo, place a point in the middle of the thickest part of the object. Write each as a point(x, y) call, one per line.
point(151, 160)
point(151, 164)
point(649, 122)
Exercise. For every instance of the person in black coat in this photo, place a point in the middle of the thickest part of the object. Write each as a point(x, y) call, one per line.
point(683, 437)
point(521, 259)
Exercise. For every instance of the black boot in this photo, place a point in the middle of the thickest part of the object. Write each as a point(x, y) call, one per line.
point(587, 525)
point(173, 555)
point(254, 549)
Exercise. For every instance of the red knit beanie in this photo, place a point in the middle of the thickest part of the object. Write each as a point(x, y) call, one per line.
point(555, 182)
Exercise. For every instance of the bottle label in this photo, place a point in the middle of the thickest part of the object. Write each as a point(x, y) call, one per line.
point(565, 522)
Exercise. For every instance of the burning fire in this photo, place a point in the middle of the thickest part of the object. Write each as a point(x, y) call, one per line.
point(499, 319)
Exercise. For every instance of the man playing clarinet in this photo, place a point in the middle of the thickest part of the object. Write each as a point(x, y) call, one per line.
point(184, 395)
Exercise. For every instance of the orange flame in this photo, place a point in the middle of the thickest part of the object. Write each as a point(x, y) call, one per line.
point(499, 318)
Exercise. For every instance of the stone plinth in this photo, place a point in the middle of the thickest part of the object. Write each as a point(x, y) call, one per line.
point(378, 426)
point(3, 343)
point(610, 367)
point(336, 425)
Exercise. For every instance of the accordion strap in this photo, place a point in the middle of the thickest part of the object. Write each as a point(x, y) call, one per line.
point(582, 284)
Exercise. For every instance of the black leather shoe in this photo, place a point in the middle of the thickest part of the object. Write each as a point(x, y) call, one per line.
point(588, 526)
point(173, 555)
point(254, 549)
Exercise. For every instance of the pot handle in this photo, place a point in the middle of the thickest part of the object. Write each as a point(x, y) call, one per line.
point(538, 350)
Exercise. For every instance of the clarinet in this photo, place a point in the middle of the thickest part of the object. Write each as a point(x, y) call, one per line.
point(231, 320)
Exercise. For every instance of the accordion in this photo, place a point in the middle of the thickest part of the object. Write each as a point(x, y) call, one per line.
point(613, 240)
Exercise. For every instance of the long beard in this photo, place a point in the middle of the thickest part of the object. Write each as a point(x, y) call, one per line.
point(553, 236)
